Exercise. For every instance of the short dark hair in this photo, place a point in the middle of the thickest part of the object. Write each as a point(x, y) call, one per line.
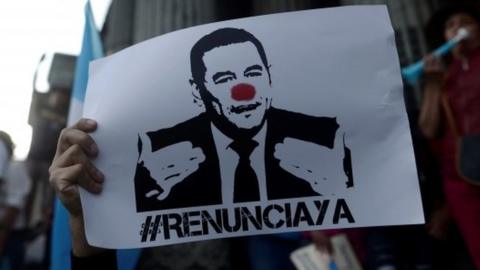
point(7, 141)
point(436, 25)
point(218, 38)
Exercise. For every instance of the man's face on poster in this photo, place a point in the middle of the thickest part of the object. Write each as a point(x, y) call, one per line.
point(238, 81)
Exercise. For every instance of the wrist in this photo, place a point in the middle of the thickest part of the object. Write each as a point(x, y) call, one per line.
point(80, 246)
point(435, 82)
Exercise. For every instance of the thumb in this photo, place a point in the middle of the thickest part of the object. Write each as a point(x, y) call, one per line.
point(144, 146)
point(279, 150)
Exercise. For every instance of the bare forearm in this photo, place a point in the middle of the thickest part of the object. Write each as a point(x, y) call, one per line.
point(80, 246)
point(430, 113)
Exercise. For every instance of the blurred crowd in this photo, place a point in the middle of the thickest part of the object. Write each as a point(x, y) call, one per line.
point(450, 239)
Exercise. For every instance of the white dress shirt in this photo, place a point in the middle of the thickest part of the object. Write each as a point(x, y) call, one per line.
point(228, 160)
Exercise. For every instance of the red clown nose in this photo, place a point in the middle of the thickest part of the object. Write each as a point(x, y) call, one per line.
point(243, 92)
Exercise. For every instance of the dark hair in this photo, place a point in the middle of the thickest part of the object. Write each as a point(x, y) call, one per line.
point(218, 38)
point(435, 27)
point(7, 141)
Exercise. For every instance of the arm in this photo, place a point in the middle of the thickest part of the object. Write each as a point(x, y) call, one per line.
point(440, 221)
point(431, 110)
point(72, 168)
point(83, 255)
point(327, 169)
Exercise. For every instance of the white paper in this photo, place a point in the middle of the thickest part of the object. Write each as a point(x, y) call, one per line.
point(343, 256)
point(310, 258)
point(343, 253)
point(331, 140)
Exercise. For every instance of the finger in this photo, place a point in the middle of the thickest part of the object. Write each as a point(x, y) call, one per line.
point(61, 179)
point(439, 63)
point(71, 136)
point(146, 148)
point(198, 155)
point(65, 181)
point(292, 168)
point(151, 193)
point(181, 173)
point(173, 177)
point(305, 174)
point(428, 62)
point(428, 59)
point(193, 167)
point(157, 174)
point(286, 166)
point(87, 182)
point(161, 170)
point(436, 63)
point(289, 140)
point(177, 174)
point(85, 125)
point(289, 157)
point(67, 158)
point(75, 155)
point(279, 152)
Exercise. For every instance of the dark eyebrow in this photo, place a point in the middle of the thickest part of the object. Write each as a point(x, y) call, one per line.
point(254, 67)
point(222, 73)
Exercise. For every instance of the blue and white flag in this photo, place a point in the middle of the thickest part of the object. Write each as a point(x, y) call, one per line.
point(91, 49)
point(61, 240)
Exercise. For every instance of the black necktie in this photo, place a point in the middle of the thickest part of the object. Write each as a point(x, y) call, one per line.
point(246, 182)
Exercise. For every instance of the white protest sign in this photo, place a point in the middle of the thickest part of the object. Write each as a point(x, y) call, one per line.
point(278, 123)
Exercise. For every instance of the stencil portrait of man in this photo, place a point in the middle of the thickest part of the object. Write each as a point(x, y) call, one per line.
point(241, 148)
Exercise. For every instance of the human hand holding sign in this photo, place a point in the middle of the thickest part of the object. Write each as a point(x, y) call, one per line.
point(320, 166)
point(170, 165)
point(72, 168)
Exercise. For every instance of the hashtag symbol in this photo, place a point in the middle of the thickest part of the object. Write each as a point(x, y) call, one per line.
point(150, 228)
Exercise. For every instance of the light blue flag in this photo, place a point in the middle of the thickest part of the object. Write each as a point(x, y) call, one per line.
point(61, 242)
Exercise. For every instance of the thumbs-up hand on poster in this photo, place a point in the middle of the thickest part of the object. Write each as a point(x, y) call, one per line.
point(320, 166)
point(170, 165)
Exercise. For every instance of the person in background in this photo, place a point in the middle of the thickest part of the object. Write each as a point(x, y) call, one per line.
point(6, 151)
point(457, 79)
point(15, 186)
point(6, 147)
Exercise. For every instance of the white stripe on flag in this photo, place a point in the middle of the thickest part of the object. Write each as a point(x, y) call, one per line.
point(75, 111)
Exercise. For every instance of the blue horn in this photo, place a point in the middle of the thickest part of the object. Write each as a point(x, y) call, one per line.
point(413, 72)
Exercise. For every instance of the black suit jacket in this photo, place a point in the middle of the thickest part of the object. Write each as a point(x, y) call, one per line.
point(203, 187)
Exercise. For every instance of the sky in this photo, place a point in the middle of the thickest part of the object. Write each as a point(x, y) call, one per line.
point(28, 29)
